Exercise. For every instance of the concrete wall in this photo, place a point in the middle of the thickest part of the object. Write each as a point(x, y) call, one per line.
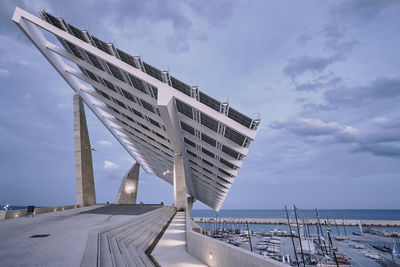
point(216, 253)
point(10, 214)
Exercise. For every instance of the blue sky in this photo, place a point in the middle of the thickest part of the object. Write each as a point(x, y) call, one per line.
point(322, 75)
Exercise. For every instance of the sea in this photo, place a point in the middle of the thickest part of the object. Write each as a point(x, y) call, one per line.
point(331, 214)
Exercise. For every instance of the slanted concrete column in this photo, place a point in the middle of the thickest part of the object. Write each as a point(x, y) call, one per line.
point(85, 192)
point(179, 182)
point(127, 193)
point(190, 201)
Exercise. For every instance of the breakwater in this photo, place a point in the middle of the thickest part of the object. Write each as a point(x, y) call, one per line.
point(383, 223)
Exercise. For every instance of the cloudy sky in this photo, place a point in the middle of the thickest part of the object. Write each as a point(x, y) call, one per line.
point(323, 76)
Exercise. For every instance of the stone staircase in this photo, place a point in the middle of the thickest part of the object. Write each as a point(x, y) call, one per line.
point(126, 244)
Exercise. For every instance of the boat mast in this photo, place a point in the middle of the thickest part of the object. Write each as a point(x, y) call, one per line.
point(298, 231)
point(248, 234)
point(320, 227)
point(330, 242)
point(291, 235)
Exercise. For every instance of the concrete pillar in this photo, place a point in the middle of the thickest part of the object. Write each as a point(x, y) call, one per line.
point(127, 193)
point(85, 192)
point(190, 201)
point(179, 182)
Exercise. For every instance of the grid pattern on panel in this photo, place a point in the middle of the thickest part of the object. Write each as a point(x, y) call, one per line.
point(209, 122)
point(209, 101)
point(152, 71)
point(180, 86)
point(212, 157)
point(125, 57)
point(184, 109)
point(239, 117)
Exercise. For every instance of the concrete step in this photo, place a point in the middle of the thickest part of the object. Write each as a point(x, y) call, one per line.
point(125, 244)
point(105, 257)
point(135, 254)
point(147, 240)
point(118, 259)
point(150, 237)
point(143, 230)
point(145, 259)
point(135, 227)
point(127, 225)
point(130, 261)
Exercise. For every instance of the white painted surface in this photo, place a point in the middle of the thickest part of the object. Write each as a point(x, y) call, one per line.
point(171, 249)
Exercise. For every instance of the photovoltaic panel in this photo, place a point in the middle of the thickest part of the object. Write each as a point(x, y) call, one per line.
point(144, 131)
point(187, 141)
point(137, 83)
point(223, 180)
point(187, 128)
point(224, 172)
point(116, 72)
point(229, 151)
point(226, 163)
point(239, 117)
point(155, 91)
point(120, 103)
point(209, 122)
point(154, 122)
point(234, 136)
point(95, 61)
point(180, 86)
point(75, 50)
point(147, 106)
point(152, 71)
point(191, 153)
point(208, 153)
point(137, 113)
point(208, 140)
point(184, 109)
point(109, 85)
point(125, 57)
point(91, 75)
point(53, 20)
point(209, 101)
point(128, 95)
point(208, 163)
point(102, 45)
point(79, 33)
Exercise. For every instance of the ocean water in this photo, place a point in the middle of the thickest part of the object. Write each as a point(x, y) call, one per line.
point(338, 214)
point(354, 214)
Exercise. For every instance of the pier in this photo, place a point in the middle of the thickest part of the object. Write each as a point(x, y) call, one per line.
point(382, 223)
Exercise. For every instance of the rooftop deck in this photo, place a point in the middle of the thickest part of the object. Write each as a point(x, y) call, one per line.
point(65, 238)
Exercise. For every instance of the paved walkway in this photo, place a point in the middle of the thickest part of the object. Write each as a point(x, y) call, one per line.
point(67, 234)
point(171, 249)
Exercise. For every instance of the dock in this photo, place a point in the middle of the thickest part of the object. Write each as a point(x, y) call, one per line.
point(379, 223)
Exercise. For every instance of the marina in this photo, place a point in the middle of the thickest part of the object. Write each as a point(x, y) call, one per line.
point(314, 242)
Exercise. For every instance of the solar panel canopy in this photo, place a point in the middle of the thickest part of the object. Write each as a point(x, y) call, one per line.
point(151, 113)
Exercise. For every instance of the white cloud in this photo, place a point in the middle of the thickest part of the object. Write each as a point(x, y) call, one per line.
point(4, 73)
point(105, 143)
point(108, 165)
point(316, 127)
point(62, 105)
